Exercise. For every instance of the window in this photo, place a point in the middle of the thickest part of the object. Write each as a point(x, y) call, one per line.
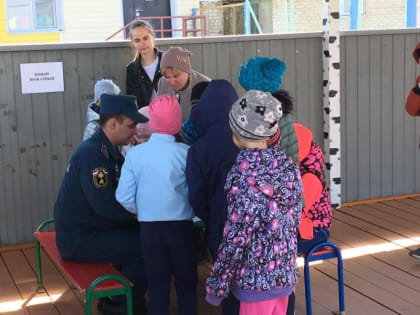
point(346, 4)
point(31, 16)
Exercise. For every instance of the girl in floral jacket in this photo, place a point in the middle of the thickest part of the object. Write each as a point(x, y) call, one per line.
point(257, 257)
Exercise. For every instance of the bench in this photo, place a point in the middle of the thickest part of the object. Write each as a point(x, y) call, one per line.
point(94, 280)
point(323, 251)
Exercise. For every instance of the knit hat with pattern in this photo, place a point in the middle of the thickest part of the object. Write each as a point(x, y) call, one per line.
point(255, 115)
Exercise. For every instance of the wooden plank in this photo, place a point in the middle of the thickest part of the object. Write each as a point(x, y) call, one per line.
point(7, 138)
point(382, 282)
point(386, 114)
point(119, 60)
point(209, 60)
point(57, 155)
point(350, 174)
point(66, 300)
point(24, 156)
point(10, 298)
point(25, 280)
point(355, 302)
point(372, 214)
point(72, 124)
point(385, 291)
point(410, 205)
point(40, 170)
point(362, 124)
point(374, 83)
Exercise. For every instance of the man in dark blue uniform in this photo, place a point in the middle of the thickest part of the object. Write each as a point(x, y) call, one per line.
point(90, 224)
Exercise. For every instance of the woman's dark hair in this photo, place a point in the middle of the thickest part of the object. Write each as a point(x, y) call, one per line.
point(286, 100)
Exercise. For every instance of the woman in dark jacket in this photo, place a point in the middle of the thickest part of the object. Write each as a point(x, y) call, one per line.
point(143, 73)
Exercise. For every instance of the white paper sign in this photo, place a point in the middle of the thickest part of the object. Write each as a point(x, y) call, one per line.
point(42, 77)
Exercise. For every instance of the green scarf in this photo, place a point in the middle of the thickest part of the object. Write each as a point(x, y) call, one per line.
point(289, 142)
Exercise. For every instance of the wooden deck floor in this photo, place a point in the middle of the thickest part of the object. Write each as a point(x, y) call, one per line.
point(380, 278)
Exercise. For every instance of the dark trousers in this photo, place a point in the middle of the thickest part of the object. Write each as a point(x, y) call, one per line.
point(304, 246)
point(168, 249)
point(120, 247)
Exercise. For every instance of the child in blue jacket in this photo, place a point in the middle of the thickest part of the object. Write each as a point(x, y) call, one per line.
point(153, 185)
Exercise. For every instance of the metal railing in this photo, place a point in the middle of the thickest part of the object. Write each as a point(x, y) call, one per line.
point(190, 25)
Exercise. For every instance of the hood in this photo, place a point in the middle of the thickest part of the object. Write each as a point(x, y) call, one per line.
point(270, 172)
point(214, 105)
point(304, 136)
point(92, 113)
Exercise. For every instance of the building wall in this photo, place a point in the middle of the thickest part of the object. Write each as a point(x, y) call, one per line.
point(308, 16)
point(92, 20)
point(378, 14)
point(213, 11)
point(6, 38)
point(280, 17)
point(383, 14)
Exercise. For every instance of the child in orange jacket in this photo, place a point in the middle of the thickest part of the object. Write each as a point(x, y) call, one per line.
point(412, 107)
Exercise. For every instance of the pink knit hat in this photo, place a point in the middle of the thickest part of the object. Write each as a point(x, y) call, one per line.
point(165, 115)
point(143, 129)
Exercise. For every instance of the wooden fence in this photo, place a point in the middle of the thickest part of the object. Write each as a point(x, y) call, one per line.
point(38, 132)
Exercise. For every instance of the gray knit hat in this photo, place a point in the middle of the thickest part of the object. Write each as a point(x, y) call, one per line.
point(255, 115)
point(176, 57)
point(105, 86)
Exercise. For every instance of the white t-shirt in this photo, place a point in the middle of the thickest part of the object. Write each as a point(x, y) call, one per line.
point(151, 70)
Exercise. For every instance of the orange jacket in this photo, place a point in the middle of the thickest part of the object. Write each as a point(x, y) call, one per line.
point(312, 186)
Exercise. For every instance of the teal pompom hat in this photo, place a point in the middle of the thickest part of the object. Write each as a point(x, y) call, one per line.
point(261, 73)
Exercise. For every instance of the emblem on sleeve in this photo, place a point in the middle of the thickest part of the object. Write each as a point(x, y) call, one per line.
point(100, 177)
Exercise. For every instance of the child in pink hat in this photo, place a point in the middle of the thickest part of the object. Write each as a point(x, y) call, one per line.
point(142, 135)
point(143, 129)
point(153, 186)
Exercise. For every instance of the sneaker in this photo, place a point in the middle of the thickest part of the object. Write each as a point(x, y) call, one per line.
point(415, 253)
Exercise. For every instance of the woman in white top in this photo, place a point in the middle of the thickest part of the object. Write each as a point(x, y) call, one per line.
point(143, 72)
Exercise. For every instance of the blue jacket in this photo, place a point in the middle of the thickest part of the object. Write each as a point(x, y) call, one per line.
point(86, 200)
point(211, 157)
point(153, 183)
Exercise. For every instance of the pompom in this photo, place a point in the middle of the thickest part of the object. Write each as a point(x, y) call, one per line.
point(261, 73)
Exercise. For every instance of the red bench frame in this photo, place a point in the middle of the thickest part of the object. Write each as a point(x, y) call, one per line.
point(94, 280)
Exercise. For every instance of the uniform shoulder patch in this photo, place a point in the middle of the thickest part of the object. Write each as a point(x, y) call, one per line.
point(100, 177)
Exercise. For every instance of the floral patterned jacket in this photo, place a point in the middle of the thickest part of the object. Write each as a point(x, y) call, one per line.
point(257, 256)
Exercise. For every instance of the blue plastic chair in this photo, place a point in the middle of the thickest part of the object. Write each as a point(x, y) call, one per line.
point(323, 251)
